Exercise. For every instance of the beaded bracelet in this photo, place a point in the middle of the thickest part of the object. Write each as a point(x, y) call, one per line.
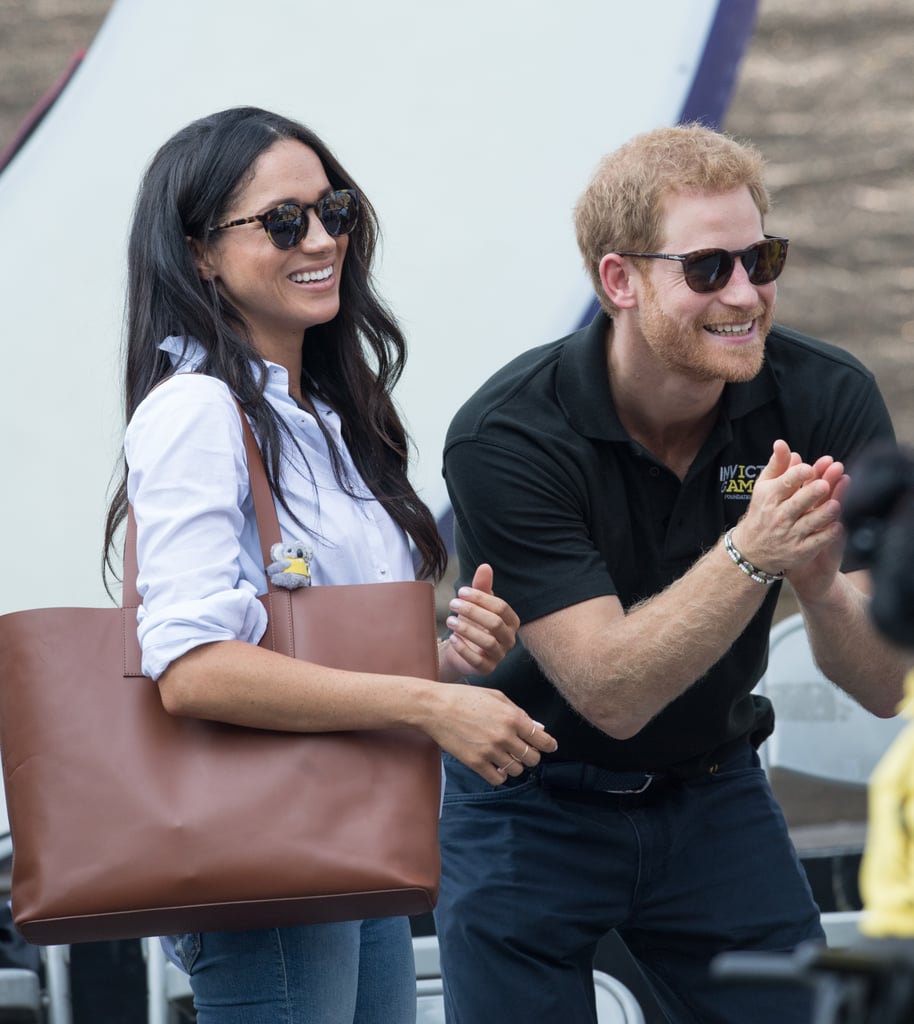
point(759, 575)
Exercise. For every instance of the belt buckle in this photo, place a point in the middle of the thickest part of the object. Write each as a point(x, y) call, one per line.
point(648, 779)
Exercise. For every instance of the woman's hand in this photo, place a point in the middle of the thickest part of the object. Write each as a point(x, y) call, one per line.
point(486, 731)
point(482, 727)
point(483, 629)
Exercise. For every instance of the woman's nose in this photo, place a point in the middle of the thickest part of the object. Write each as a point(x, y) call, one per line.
point(317, 236)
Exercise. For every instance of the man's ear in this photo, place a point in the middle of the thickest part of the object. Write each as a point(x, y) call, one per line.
point(200, 253)
point(616, 278)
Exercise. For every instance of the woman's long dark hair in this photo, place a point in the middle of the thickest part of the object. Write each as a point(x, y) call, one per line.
point(188, 188)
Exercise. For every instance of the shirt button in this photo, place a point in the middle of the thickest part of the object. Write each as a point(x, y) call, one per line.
point(654, 471)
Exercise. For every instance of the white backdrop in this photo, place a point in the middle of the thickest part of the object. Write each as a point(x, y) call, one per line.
point(472, 127)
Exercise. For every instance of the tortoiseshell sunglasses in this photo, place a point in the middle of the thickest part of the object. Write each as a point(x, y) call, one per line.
point(287, 224)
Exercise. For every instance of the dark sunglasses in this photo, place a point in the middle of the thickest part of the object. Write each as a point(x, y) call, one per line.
point(709, 270)
point(287, 224)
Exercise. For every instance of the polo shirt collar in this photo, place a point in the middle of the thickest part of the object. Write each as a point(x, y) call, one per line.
point(582, 385)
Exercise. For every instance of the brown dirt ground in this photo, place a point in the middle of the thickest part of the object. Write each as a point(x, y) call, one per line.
point(827, 92)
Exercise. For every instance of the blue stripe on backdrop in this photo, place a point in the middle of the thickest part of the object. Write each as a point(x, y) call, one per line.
point(715, 77)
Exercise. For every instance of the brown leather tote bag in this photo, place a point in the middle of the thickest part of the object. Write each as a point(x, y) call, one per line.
point(127, 821)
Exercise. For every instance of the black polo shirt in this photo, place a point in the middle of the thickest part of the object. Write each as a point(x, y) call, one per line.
point(548, 487)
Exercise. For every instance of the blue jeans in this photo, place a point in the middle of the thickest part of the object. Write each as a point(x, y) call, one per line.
point(534, 876)
point(355, 972)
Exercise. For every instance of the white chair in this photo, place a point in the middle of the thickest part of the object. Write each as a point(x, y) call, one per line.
point(821, 731)
point(824, 746)
point(20, 996)
point(22, 1000)
point(842, 928)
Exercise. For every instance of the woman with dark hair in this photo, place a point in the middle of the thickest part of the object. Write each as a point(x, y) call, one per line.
point(250, 279)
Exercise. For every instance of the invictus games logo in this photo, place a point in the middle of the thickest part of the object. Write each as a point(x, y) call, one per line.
point(737, 481)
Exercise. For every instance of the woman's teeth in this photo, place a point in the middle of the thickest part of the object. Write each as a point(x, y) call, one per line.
point(313, 275)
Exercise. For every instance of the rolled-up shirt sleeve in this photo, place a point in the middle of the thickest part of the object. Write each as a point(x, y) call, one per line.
point(187, 481)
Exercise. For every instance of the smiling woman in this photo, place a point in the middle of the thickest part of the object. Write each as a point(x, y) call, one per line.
point(286, 278)
point(250, 279)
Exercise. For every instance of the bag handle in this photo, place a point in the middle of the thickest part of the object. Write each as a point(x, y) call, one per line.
point(264, 504)
point(264, 513)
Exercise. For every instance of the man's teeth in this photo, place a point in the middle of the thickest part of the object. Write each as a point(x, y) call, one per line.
point(314, 275)
point(730, 329)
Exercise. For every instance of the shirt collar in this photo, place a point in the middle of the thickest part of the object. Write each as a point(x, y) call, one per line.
point(187, 355)
point(582, 383)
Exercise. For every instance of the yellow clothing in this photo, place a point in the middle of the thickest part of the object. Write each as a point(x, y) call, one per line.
point(887, 870)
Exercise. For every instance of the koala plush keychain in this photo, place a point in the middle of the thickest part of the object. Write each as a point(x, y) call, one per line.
point(291, 565)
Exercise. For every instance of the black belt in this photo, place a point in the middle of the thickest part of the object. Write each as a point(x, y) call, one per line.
point(582, 777)
point(578, 775)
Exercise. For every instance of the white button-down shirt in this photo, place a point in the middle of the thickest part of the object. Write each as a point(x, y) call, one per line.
point(199, 555)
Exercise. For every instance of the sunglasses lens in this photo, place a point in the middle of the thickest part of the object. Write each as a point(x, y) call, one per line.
point(339, 212)
point(708, 270)
point(286, 226)
point(766, 260)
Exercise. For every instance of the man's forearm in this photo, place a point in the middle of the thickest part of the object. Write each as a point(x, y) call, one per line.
point(621, 670)
point(848, 649)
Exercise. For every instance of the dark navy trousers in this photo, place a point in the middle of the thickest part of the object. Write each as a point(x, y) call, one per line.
point(535, 873)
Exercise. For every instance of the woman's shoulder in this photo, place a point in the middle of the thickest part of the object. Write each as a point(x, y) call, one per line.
point(186, 386)
point(188, 394)
point(188, 404)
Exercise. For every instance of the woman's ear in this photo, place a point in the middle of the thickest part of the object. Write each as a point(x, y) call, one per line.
point(616, 278)
point(200, 253)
